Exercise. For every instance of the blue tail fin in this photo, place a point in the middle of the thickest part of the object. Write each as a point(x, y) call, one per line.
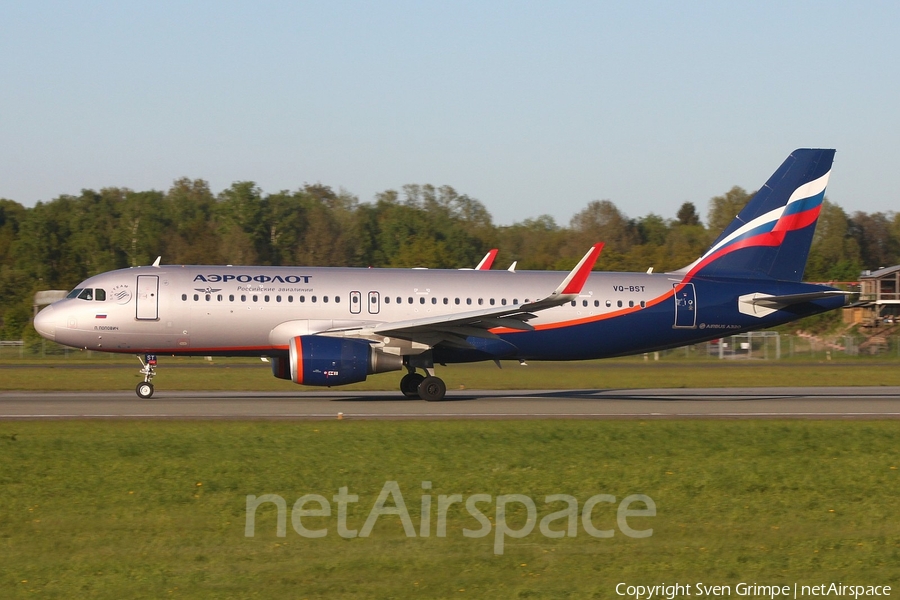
point(771, 236)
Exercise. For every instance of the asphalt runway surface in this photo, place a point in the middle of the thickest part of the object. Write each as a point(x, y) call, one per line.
point(720, 403)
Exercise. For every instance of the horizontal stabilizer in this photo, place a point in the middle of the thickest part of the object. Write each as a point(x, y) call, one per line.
point(787, 300)
point(760, 305)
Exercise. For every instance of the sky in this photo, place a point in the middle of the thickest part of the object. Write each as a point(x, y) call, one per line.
point(533, 108)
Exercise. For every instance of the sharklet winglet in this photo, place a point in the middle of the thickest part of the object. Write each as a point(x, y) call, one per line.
point(487, 261)
point(574, 282)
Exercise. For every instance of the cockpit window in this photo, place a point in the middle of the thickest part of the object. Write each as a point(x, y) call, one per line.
point(74, 293)
point(100, 295)
point(86, 294)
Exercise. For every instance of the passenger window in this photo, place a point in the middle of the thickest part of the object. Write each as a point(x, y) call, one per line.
point(596, 303)
point(100, 295)
point(410, 300)
point(608, 304)
point(584, 302)
point(399, 300)
point(631, 303)
point(86, 294)
point(255, 298)
point(302, 298)
point(196, 297)
point(619, 304)
point(312, 298)
point(277, 298)
point(446, 300)
point(434, 300)
point(74, 293)
point(503, 301)
point(290, 298)
point(468, 301)
point(480, 301)
point(243, 297)
point(324, 298)
point(337, 299)
point(573, 303)
point(231, 297)
point(421, 299)
point(219, 297)
point(456, 301)
point(643, 304)
point(266, 297)
point(184, 297)
point(387, 300)
point(207, 297)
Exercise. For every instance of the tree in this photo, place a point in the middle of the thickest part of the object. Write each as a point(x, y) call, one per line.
point(239, 210)
point(192, 237)
point(601, 221)
point(877, 245)
point(687, 214)
point(834, 254)
point(723, 209)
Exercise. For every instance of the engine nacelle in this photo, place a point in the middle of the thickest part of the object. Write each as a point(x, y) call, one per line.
point(321, 360)
point(281, 367)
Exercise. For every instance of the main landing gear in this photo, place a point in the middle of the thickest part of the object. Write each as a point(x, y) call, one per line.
point(429, 388)
point(145, 388)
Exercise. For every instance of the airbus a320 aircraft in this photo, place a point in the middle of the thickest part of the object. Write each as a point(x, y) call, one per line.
point(334, 326)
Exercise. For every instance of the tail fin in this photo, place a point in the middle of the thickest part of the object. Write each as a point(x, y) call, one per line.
point(771, 236)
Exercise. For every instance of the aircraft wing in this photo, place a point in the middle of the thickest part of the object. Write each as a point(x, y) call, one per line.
point(453, 329)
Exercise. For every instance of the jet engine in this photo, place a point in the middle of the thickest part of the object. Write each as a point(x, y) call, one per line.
point(328, 361)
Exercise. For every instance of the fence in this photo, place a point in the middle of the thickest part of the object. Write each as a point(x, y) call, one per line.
point(771, 345)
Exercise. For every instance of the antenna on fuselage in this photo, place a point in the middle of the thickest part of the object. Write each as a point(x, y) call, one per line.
point(156, 262)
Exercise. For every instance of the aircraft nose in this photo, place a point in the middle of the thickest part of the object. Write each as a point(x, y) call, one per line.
point(45, 324)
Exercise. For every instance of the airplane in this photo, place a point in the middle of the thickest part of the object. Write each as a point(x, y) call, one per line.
point(325, 326)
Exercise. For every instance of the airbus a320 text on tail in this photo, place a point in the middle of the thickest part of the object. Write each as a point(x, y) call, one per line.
point(334, 326)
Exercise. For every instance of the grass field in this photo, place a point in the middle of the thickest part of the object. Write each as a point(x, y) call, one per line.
point(247, 374)
point(157, 509)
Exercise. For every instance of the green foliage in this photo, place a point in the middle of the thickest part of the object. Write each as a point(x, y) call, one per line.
point(56, 244)
point(687, 214)
point(723, 209)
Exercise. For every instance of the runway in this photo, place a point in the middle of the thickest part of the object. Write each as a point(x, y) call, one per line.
point(720, 403)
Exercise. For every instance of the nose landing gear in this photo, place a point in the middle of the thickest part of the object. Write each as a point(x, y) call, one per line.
point(145, 388)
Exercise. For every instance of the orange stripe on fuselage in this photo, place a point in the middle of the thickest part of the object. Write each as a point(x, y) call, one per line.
point(595, 318)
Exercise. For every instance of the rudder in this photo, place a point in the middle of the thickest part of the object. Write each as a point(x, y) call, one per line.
point(771, 236)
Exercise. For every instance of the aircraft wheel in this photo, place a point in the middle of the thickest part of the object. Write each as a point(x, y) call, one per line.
point(432, 389)
point(144, 389)
point(409, 385)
